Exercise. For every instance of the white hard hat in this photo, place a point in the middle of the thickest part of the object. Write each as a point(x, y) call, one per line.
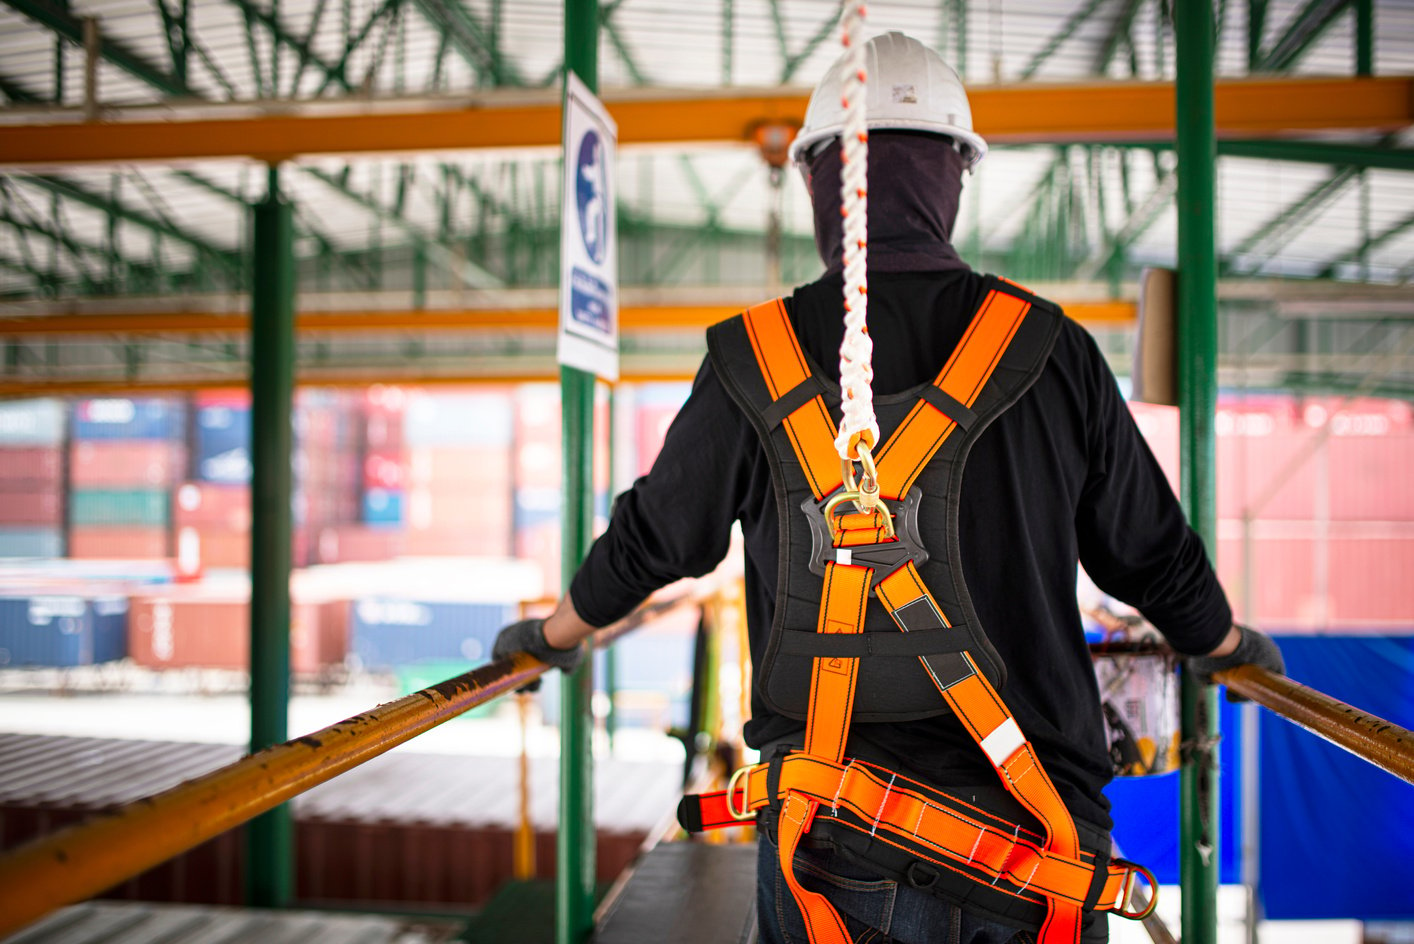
point(908, 88)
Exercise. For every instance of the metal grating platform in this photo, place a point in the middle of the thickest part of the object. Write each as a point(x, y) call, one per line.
point(134, 923)
point(687, 893)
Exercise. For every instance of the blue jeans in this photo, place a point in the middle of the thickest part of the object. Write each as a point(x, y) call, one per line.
point(875, 910)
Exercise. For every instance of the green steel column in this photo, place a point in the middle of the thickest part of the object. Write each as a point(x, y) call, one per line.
point(271, 851)
point(1364, 37)
point(574, 848)
point(1196, 148)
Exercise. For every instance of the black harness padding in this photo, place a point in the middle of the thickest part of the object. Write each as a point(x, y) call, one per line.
point(891, 685)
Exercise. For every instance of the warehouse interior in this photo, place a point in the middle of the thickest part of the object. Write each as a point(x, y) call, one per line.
point(199, 198)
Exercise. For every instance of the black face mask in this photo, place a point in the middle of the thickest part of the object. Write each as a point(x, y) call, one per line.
point(915, 184)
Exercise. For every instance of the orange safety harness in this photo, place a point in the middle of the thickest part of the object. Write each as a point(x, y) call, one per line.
point(925, 831)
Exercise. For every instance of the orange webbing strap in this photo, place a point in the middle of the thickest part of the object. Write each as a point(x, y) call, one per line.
point(783, 365)
point(962, 379)
point(832, 682)
point(823, 923)
point(926, 822)
point(981, 710)
point(832, 679)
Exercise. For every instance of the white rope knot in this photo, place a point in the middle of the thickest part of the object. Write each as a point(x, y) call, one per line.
point(857, 349)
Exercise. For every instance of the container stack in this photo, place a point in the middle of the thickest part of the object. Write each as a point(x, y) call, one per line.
point(328, 438)
point(62, 627)
point(538, 476)
point(31, 478)
point(459, 473)
point(125, 457)
point(214, 506)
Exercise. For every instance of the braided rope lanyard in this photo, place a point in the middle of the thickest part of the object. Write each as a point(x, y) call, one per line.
point(859, 427)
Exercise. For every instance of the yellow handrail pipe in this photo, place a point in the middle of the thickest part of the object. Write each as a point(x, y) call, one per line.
point(87, 858)
point(77, 863)
point(1367, 736)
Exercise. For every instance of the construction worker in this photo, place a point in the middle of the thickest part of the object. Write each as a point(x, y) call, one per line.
point(1060, 475)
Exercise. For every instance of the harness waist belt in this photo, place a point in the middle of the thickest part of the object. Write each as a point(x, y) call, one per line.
point(924, 822)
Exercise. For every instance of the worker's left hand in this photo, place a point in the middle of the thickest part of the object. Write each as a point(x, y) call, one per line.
point(528, 636)
point(1256, 648)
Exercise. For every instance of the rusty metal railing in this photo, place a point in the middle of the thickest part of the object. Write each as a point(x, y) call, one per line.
point(1365, 735)
point(82, 860)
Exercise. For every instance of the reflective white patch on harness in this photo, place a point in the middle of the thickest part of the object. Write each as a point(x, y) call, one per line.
point(1003, 741)
point(843, 555)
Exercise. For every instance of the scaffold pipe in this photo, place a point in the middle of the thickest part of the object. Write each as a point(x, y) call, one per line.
point(1367, 736)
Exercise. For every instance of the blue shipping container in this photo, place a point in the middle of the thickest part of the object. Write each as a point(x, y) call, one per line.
point(32, 423)
point(31, 542)
point(383, 506)
point(385, 632)
point(222, 447)
point(124, 418)
point(61, 630)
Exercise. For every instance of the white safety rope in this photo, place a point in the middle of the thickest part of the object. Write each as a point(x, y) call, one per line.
point(857, 349)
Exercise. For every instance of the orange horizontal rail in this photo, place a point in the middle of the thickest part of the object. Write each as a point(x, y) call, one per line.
point(1095, 111)
point(80, 861)
point(631, 318)
point(1367, 736)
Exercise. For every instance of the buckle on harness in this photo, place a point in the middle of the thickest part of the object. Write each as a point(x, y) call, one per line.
point(744, 813)
point(884, 558)
point(1127, 893)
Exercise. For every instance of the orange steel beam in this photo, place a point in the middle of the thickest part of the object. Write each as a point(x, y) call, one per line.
point(1367, 736)
point(1094, 111)
point(631, 319)
point(82, 860)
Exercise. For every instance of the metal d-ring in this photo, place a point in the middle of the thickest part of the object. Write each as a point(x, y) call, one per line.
point(743, 813)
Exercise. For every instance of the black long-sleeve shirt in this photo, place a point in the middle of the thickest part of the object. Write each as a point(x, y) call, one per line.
point(1063, 475)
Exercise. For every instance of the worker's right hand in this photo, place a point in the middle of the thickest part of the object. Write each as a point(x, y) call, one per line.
point(1255, 648)
point(528, 636)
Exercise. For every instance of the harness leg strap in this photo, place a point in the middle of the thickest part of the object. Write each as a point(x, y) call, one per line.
point(822, 922)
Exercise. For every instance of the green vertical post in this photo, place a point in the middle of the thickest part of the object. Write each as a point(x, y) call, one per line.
point(270, 837)
point(574, 844)
point(1364, 37)
point(1196, 148)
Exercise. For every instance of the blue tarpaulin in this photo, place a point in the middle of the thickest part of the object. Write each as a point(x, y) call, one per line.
point(1337, 834)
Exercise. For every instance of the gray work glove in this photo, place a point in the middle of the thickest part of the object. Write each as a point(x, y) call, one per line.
point(528, 636)
point(1255, 647)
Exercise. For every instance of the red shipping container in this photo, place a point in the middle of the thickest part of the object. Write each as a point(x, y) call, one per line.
point(208, 504)
point(440, 509)
point(1370, 477)
point(139, 463)
point(385, 469)
point(1267, 471)
point(477, 541)
point(37, 467)
point(1370, 569)
point(353, 542)
point(203, 627)
point(42, 508)
point(1159, 427)
point(460, 468)
point(119, 543)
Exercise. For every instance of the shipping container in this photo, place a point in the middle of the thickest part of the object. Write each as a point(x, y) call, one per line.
point(221, 443)
point(202, 626)
point(62, 630)
point(129, 418)
point(32, 422)
point(537, 437)
point(119, 543)
point(207, 504)
point(355, 542)
point(383, 507)
point(1370, 476)
point(385, 469)
point(387, 632)
point(120, 507)
point(31, 466)
point(126, 464)
point(31, 542)
point(40, 508)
